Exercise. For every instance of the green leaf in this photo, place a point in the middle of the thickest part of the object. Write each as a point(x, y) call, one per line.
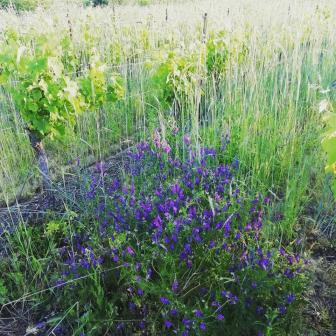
point(53, 227)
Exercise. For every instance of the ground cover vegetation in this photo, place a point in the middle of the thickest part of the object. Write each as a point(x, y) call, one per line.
point(206, 227)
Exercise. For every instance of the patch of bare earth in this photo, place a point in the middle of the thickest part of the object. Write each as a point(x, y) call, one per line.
point(321, 297)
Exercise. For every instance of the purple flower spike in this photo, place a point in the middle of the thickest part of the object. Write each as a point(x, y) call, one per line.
point(164, 300)
point(168, 324)
point(186, 140)
point(198, 313)
point(157, 222)
point(41, 325)
point(166, 148)
point(263, 263)
point(130, 251)
point(282, 310)
point(290, 298)
point(175, 286)
point(100, 167)
point(173, 311)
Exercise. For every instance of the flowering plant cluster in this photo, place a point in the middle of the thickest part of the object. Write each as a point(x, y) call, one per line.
point(175, 247)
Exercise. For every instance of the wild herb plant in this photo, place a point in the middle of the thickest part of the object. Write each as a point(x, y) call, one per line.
point(173, 246)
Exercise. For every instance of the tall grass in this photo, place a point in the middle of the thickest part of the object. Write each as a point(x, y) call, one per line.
point(267, 101)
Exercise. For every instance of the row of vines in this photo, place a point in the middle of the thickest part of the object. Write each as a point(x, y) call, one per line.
point(54, 77)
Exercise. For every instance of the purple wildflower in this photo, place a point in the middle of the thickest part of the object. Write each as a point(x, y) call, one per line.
point(173, 311)
point(175, 286)
point(290, 298)
point(198, 313)
point(186, 140)
point(282, 310)
point(168, 324)
point(263, 263)
point(130, 251)
point(164, 300)
point(157, 222)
